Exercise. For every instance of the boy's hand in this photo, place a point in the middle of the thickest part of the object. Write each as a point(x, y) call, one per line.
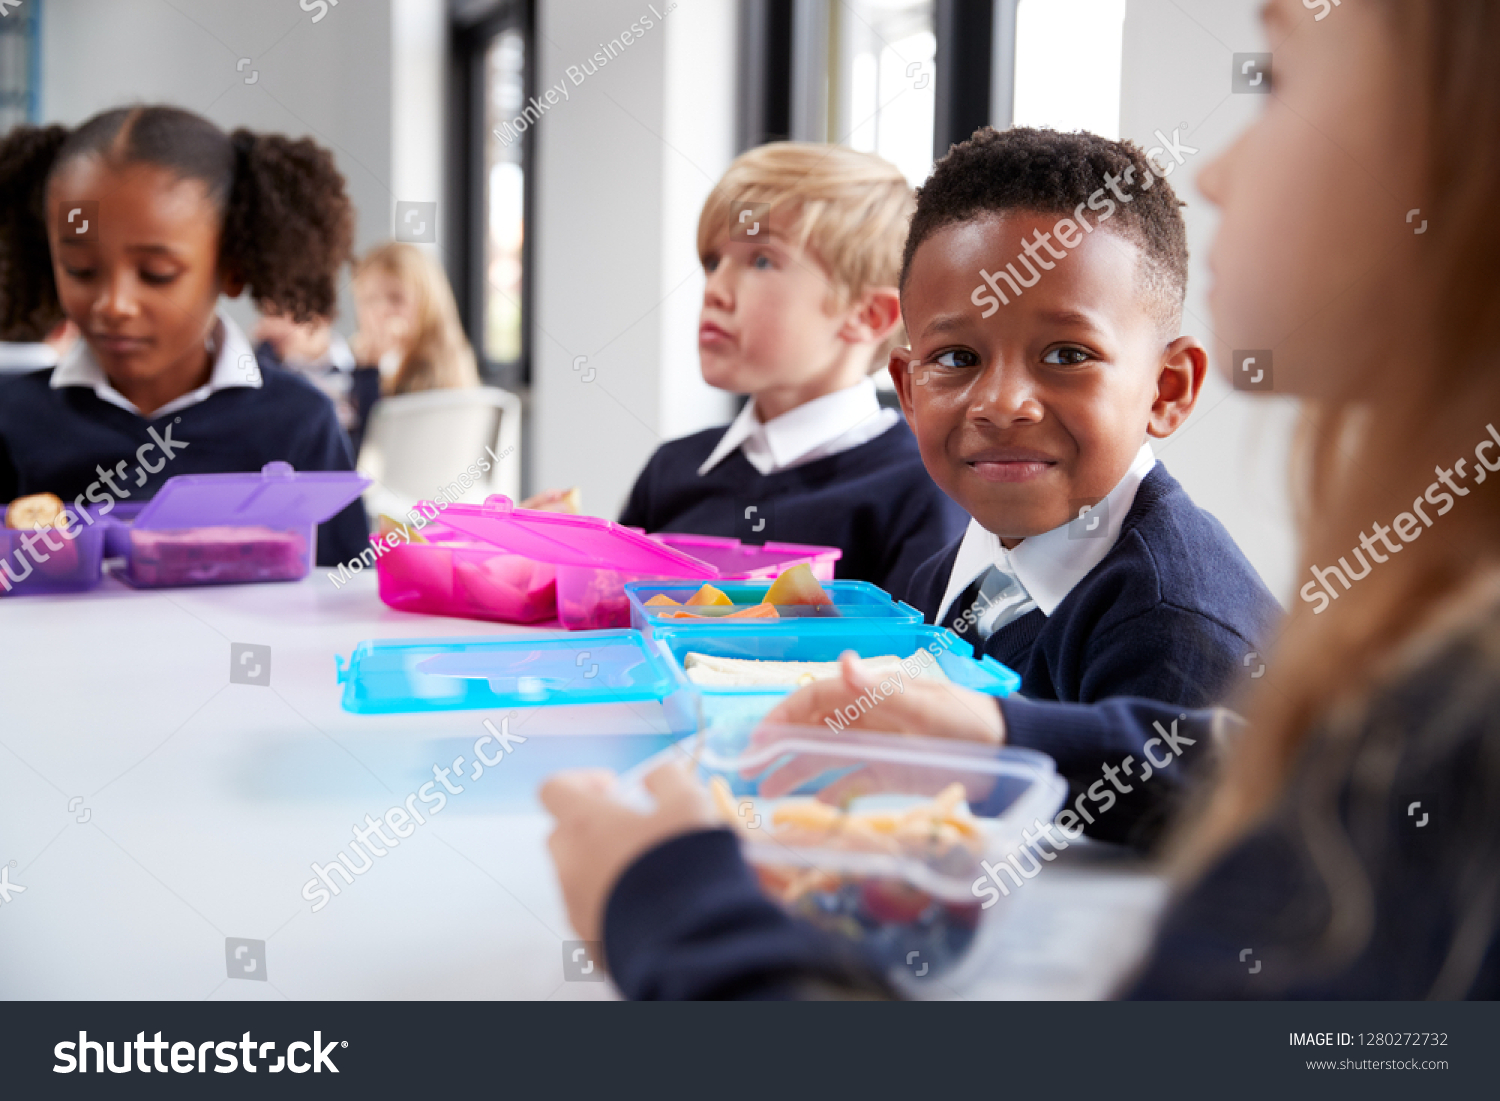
point(925, 708)
point(598, 837)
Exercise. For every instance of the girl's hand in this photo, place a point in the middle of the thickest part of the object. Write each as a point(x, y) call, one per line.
point(597, 836)
point(380, 335)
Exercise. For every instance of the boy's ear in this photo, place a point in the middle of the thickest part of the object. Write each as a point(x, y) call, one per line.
point(900, 372)
point(874, 317)
point(1179, 381)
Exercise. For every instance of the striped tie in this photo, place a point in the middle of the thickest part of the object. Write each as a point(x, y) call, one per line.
point(1002, 599)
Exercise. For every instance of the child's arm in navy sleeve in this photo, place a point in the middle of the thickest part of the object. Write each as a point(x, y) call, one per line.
point(689, 921)
point(326, 447)
point(1166, 654)
point(1130, 764)
point(7, 473)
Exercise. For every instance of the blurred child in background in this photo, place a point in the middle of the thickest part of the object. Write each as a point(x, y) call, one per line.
point(316, 351)
point(408, 322)
point(132, 226)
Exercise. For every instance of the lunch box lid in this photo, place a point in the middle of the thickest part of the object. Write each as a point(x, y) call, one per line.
point(275, 497)
point(471, 673)
point(567, 540)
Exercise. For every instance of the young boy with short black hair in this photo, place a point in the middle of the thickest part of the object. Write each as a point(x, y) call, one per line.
point(801, 245)
point(1042, 286)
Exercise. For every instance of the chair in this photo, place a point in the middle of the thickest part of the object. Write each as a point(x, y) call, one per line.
point(416, 444)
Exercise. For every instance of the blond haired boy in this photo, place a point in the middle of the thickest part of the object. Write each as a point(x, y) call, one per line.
point(801, 245)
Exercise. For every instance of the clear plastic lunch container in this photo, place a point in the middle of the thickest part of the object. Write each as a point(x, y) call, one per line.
point(496, 561)
point(216, 529)
point(857, 600)
point(770, 641)
point(899, 872)
point(49, 561)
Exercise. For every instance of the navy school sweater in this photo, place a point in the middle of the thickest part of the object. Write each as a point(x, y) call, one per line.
point(53, 441)
point(364, 392)
point(1173, 612)
point(875, 502)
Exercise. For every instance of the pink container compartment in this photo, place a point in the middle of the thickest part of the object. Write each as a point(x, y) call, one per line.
point(593, 557)
point(454, 575)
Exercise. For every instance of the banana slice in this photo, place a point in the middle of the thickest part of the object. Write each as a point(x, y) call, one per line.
point(25, 513)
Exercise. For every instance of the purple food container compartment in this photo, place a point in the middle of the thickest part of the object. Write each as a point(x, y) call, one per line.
point(48, 561)
point(594, 557)
point(216, 529)
point(737, 561)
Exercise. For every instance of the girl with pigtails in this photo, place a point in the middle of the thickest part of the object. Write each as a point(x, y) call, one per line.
point(133, 225)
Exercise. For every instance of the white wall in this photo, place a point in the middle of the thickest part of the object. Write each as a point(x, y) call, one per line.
point(1231, 455)
point(330, 80)
point(621, 168)
point(419, 35)
point(698, 144)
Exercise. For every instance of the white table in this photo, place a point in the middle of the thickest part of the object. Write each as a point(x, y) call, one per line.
point(151, 809)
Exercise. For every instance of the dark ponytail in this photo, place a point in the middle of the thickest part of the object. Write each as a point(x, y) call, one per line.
point(288, 225)
point(29, 309)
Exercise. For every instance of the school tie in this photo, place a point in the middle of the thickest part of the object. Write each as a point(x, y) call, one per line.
point(1002, 599)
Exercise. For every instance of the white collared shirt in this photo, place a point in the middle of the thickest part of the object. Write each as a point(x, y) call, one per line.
point(338, 357)
point(825, 426)
point(18, 356)
point(1049, 565)
point(234, 365)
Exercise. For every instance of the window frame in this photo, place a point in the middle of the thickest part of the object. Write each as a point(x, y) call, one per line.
point(472, 34)
point(783, 69)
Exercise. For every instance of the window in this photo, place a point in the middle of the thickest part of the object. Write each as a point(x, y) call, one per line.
point(1067, 64)
point(882, 95)
point(20, 75)
point(504, 200)
point(901, 78)
point(493, 79)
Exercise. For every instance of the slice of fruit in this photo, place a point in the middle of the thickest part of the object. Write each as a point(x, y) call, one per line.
point(556, 500)
point(709, 595)
point(385, 525)
point(25, 513)
point(797, 586)
point(662, 599)
point(755, 611)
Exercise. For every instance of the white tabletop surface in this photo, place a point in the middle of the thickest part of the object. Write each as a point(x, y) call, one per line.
point(198, 806)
